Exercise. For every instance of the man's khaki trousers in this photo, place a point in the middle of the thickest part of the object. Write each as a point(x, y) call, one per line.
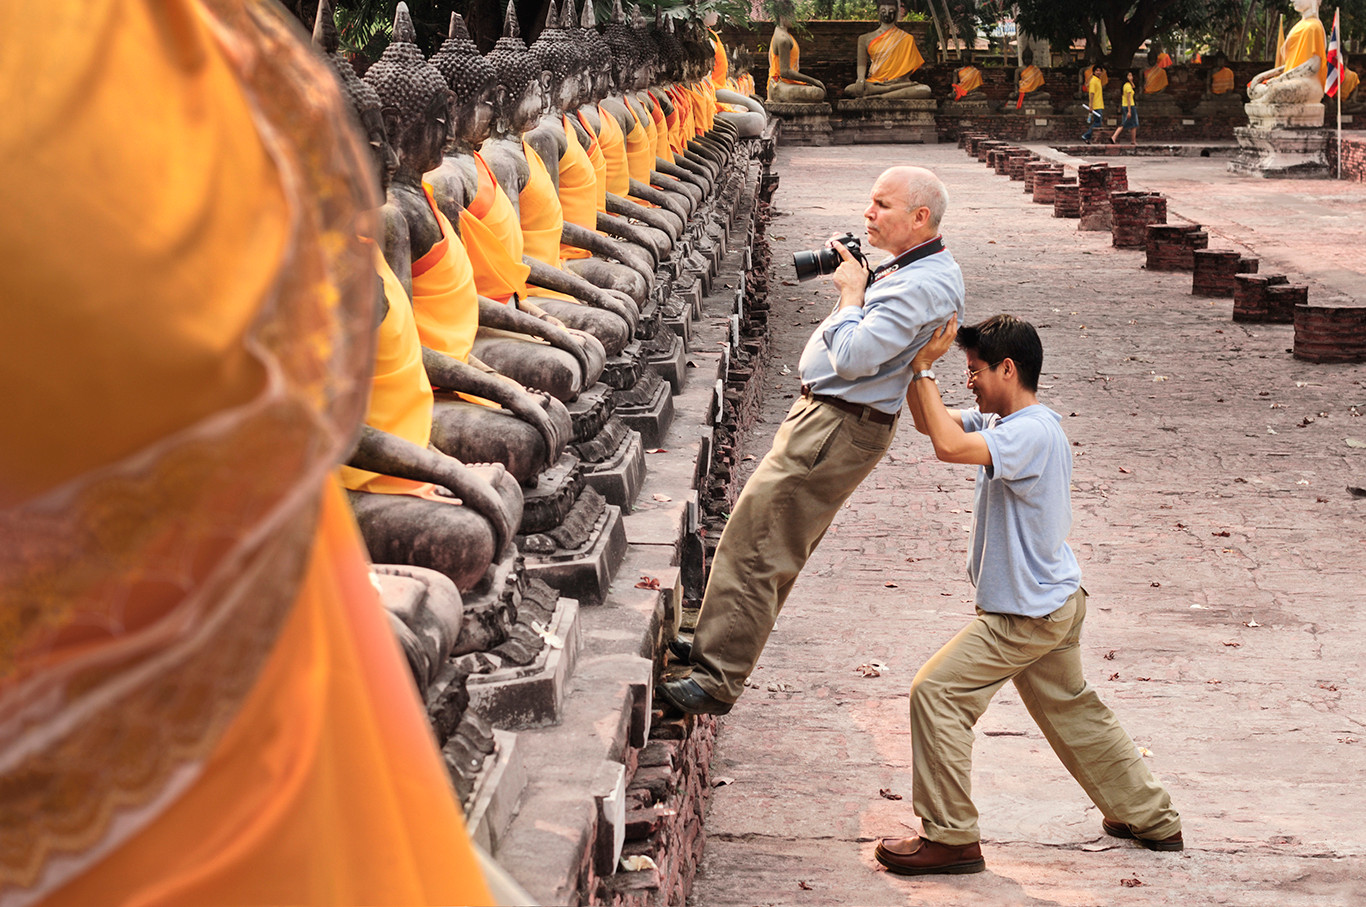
point(820, 455)
point(1042, 655)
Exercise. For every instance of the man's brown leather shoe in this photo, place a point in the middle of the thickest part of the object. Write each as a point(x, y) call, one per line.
point(919, 856)
point(1121, 830)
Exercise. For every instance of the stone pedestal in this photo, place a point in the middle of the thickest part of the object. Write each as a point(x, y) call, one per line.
point(1284, 116)
point(1161, 104)
point(1229, 103)
point(1036, 104)
point(1282, 153)
point(802, 124)
point(873, 120)
point(975, 104)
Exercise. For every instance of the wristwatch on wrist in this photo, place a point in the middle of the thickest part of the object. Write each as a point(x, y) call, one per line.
point(923, 373)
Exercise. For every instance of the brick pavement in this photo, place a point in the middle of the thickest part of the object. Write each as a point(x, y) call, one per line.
point(1221, 550)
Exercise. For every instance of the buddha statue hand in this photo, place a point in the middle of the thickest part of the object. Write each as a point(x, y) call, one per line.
point(536, 408)
point(474, 486)
point(1290, 86)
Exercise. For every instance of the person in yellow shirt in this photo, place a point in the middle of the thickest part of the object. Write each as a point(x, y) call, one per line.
point(1095, 91)
point(1128, 113)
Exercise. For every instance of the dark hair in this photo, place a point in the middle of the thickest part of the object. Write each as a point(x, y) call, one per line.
point(1003, 337)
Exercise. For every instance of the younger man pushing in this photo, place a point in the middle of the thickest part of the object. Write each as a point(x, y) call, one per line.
point(1030, 608)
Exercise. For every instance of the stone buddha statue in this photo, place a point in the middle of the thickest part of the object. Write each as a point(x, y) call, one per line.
point(1350, 95)
point(967, 85)
point(1221, 97)
point(1029, 84)
point(1291, 94)
point(1154, 74)
point(786, 83)
point(414, 504)
point(887, 56)
point(500, 419)
point(746, 113)
point(683, 61)
point(1155, 100)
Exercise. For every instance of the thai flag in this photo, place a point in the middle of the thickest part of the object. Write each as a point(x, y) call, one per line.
point(1335, 61)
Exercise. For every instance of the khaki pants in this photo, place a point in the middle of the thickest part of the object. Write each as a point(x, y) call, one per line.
point(1042, 656)
point(820, 455)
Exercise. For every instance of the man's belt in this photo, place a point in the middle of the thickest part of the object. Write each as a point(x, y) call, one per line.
point(857, 409)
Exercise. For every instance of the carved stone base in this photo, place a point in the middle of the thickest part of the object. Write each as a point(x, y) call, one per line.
point(1036, 104)
point(650, 410)
point(618, 475)
point(970, 105)
point(1154, 105)
point(667, 356)
point(1282, 153)
point(802, 124)
point(492, 805)
point(1229, 104)
point(584, 571)
point(548, 502)
point(526, 696)
point(872, 120)
point(1283, 116)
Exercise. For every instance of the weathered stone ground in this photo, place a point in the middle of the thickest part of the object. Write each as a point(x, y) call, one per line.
point(1223, 554)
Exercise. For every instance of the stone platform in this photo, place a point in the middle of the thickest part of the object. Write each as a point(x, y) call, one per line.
point(868, 121)
point(1280, 153)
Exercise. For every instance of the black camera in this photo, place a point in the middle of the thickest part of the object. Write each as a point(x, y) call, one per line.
point(825, 261)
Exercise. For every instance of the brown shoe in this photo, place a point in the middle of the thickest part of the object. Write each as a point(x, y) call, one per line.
point(920, 856)
point(1121, 830)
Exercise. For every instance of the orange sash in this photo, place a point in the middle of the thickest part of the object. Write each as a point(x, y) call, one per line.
point(578, 188)
point(1222, 83)
point(969, 79)
point(719, 66)
point(891, 55)
point(400, 394)
point(493, 239)
point(445, 302)
point(613, 145)
point(640, 154)
point(662, 149)
point(1305, 42)
point(1031, 79)
point(599, 163)
point(542, 215)
point(793, 59)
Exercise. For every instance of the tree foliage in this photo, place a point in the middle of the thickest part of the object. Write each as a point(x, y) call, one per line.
point(1127, 23)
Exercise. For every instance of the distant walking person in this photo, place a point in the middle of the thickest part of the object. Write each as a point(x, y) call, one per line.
point(1095, 89)
point(1030, 608)
point(1128, 113)
point(855, 371)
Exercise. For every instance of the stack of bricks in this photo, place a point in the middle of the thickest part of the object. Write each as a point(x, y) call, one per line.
point(1015, 165)
point(985, 148)
point(1001, 156)
point(1119, 178)
point(1133, 211)
point(1326, 333)
point(1171, 247)
point(1266, 298)
point(975, 139)
point(1045, 182)
point(1067, 199)
point(1215, 269)
point(1033, 169)
point(1093, 181)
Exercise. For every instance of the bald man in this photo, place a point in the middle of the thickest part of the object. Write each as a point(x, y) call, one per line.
point(855, 372)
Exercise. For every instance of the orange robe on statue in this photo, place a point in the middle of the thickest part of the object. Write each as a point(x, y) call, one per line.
point(1222, 81)
point(493, 237)
point(599, 162)
point(613, 146)
point(226, 717)
point(719, 65)
point(793, 59)
point(640, 152)
point(578, 189)
point(445, 301)
point(1306, 41)
point(1154, 79)
point(891, 55)
point(969, 80)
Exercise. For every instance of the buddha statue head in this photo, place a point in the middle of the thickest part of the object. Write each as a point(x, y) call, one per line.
point(364, 101)
point(888, 11)
point(416, 101)
point(596, 53)
point(1027, 56)
point(523, 80)
point(1154, 53)
point(556, 53)
point(475, 93)
point(670, 53)
point(621, 40)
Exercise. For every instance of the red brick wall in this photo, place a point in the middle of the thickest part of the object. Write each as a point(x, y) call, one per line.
point(1353, 157)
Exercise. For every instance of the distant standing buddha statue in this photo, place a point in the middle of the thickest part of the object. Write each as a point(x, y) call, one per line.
point(1290, 94)
point(786, 84)
point(887, 56)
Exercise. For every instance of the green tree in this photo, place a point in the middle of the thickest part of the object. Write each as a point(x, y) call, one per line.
point(1127, 23)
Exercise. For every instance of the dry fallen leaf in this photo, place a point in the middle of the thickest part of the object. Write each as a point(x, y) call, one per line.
point(747, 457)
point(656, 450)
point(1251, 623)
point(804, 886)
point(662, 498)
point(887, 794)
point(647, 582)
point(1356, 491)
point(1223, 534)
point(1155, 585)
point(637, 863)
point(721, 781)
point(1114, 676)
point(1130, 883)
point(871, 669)
point(1353, 442)
point(1110, 655)
point(1144, 751)
point(1233, 645)
point(891, 585)
point(1123, 470)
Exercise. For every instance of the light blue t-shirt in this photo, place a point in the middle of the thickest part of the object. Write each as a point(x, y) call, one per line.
point(1018, 556)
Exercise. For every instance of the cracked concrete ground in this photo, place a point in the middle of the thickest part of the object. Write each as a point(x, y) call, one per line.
point(1222, 551)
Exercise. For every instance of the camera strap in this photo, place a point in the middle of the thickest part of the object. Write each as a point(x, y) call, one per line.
point(924, 250)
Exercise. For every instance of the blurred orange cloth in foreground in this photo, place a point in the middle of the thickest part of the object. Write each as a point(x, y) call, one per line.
point(200, 699)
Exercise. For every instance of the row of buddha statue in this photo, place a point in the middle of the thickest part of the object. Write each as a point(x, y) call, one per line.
point(531, 197)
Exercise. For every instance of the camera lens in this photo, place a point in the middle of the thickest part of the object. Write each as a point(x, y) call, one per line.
point(813, 264)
